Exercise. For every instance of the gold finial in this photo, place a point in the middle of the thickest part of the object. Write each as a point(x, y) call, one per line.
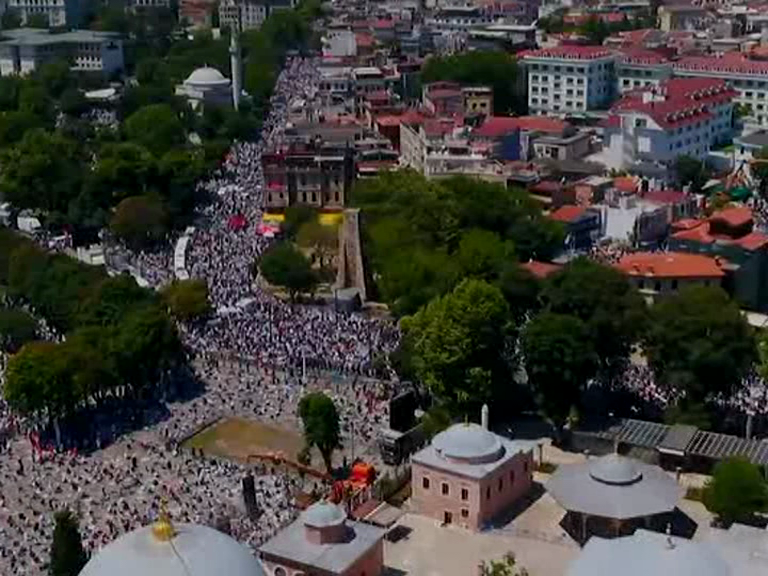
point(163, 529)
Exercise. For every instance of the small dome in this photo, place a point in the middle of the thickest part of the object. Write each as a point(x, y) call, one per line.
point(193, 550)
point(468, 442)
point(614, 469)
point(323, 515)
point(206, 76)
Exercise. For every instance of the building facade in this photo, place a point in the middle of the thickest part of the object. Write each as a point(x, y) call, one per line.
point(680, 116)
point(23, 50)
point(59, 13)
point(658, 273)
point(249, 14)
point(569, 79)
point(468, 476)
point(323, 541)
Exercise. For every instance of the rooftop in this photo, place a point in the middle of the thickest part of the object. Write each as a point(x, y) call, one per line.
point(727, 63)
point(568, 213)
point(569, 53)
point(670, 265)
point(541, 269)
point(495, 126)
point(39, 37)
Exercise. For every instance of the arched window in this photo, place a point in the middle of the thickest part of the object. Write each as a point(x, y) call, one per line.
point(280, 571)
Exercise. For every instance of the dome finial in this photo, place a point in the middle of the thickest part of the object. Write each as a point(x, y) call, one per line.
point(163, 529)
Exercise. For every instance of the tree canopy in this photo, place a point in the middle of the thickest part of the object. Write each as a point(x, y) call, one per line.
point(187, 299)
point(460, 344)
point(68, 556)
point(736, 491)
point(16, 329)
point(321, 424)
point(140, 221)
point(284, 265)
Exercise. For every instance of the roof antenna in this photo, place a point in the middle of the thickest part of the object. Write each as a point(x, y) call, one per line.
point(670, 542)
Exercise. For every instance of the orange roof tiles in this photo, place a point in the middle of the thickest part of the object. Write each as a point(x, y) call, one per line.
point(735, 216)
point(670, 265)
point(541, 269)
point(495, 126)
point(627, 184)
point(568, 213)
point(568, 52)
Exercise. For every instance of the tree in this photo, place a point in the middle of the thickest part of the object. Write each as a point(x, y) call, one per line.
point(482, 254)
point(42, 171)
point(521, 290)
point(595, 30)
point(284, 265)
point(736, 491)
point(507, 566)
point(559, 360)
point(37, 21)
point(323, 240)
point(55, 76)
point(321, 425)
point(699, 344)
point(16, 329)
point(460, 345)
point(187, 299)
point(691, 172)
point(10, 19)
point(73, 102)
point(14, 124)
point(295, 217)
point(604, 300)
point(68, 556)
point(140, 221)
point(156, 127)
point(759, 170)
point(123, 169)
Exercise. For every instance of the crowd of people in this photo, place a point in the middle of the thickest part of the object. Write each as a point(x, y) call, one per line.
point(255, 360)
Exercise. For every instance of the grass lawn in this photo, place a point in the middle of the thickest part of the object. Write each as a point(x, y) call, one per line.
point(239, 438)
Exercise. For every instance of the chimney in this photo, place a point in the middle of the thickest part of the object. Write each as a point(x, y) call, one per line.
point(484, 416)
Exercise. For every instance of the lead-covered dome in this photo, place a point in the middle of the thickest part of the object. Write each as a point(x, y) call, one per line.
point(323, 515)
point(207, 76)
point(468, 442)
point(193, 550)
point(615, 469)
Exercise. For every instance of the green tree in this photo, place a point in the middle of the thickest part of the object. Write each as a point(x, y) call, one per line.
point(759, 170)
point(321, 425)
point(699, 343)
point(16, 329)
point(559, 360)
point(156, 127)
point(604, 300)
point(14, 124)
point(482, 254)
point(736, 491)
point(295, 217)
point(55, 77)
point(691, 172)
point(140, 221)
point(68, 556)
point(521, 290)
point(73, 102)
point(595, 30)
point(42, 171)
point(187, 299)
point(123, 169)
point(460, 345)
point(283, 265)
point(37, 21)
point(10, 19)
point(507, 566)
point(110, 301)
point(322, 240)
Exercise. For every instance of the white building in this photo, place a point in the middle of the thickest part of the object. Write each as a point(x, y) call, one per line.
point(681, 116)
point(135, 5)
point(206, 86)
point(641, 69)
point(568, 79)
point(24, 49)
point(58, 12)
point(250, 13)
point(339, 43)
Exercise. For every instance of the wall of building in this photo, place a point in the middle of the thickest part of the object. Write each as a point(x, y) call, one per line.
point(470, 502)
point(371, 564)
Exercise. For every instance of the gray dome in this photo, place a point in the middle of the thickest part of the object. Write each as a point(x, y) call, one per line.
point(614, 469)
point(324, 514)
point(468, 442)
point(196, 551)
point(207, 76)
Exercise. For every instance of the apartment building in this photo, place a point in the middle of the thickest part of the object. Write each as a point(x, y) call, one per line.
point(680, 116)
point(641, 69)
point(569, 79)
point(23, 50)
point(59, 13)
point(249, 13)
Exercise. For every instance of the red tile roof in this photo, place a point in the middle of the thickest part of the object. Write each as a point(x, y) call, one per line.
point(568, 52)
point(730, 62)
point(444, 93)
point(665, 196)
point(670, 265)
point(752, 241)
point(546, 187)
point(678, 101)
point(364, 39)
point(541, 269)
point(409, 117)
point(641, 56)
point(627, 184)
point(735, 216)
point(568, 213)
point(495, 126)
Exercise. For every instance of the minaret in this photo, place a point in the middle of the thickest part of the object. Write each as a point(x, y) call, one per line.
point(234, 56)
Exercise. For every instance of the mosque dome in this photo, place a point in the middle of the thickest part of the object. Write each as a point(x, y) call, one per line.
point(178, 550)
point(207, 76)
point(468, 442)
point(615, 469)
point(324, 515)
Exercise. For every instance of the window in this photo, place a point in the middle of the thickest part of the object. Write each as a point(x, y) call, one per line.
point(464, 513)
point(501, 484)
point(425, 483)
point(657, 286)
point(512, 477)
point(280, 571)
point(444, 489)
point(464, 494)
point(640, 122)
point(525, 466)
point(674, 284)
point(488, 493)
